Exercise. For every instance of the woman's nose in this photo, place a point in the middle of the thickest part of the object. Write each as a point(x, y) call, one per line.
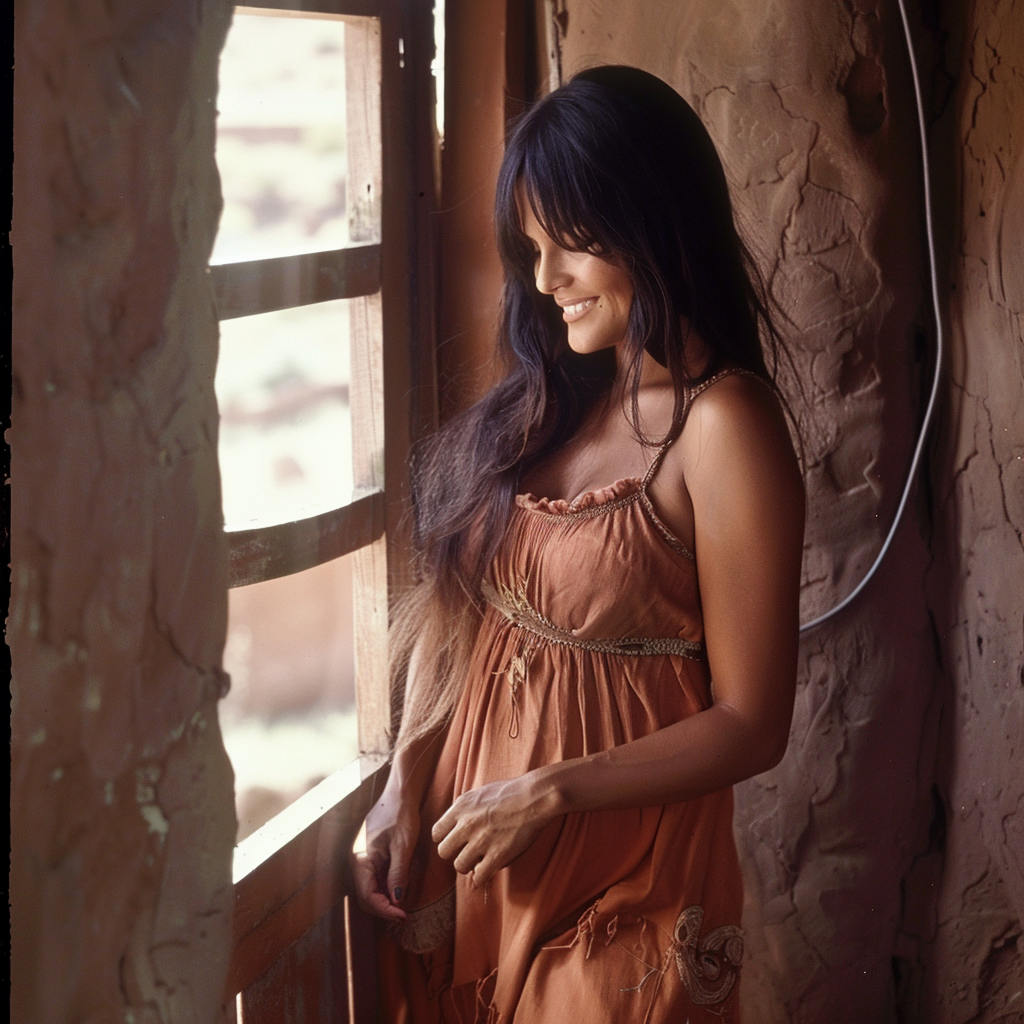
point(550, 273)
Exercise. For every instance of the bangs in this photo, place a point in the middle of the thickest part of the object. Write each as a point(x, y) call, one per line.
point(562, 184)
point(555, 182)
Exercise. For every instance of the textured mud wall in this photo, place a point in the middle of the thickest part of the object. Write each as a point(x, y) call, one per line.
point(971, 933)
point(882, 857)
point(122, 822)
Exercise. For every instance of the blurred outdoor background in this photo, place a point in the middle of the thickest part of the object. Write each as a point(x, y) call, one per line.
point(282, 388)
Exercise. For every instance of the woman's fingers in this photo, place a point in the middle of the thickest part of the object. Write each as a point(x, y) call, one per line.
point(467, 860)
point(398, 871)
point(452, 831)
point(366, 876)
point(444, 824)
point(484, 829)
point(380, 906)
point(450, 846)
point(484, 871)
point(483, 852)
point(454, 838)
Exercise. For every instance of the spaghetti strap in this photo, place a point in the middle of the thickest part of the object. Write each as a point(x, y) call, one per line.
point(693, 393)
point(729, 371)
point(659, 454)
point(670, 538)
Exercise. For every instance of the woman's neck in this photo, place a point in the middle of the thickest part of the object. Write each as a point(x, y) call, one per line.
point(655, 374)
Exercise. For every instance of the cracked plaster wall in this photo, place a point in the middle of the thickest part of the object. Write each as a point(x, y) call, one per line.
point(811, 105)
point(122, 818)
point(966, 894)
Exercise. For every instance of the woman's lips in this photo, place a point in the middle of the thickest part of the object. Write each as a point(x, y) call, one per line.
point(577, 309)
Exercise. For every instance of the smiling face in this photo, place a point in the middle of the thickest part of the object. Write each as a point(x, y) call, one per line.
point(594, 294)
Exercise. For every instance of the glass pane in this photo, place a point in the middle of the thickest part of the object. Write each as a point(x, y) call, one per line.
point(285, 429)
point(289, 719)
point(437, 68)
point(281, 138)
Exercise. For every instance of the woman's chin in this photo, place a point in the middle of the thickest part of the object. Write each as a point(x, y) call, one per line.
point(583, 345)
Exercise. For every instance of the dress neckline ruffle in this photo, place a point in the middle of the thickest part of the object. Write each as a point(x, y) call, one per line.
point(626, 487)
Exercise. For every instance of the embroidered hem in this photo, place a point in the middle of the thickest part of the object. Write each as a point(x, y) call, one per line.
point(425, 929)
point(707, 966)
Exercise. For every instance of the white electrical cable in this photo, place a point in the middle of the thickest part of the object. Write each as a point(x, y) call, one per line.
point(930, 408)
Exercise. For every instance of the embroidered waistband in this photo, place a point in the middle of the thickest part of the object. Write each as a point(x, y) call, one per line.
point(514, 605)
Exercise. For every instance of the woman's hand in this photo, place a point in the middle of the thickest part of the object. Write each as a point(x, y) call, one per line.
point(489, 827)
point(381, 874)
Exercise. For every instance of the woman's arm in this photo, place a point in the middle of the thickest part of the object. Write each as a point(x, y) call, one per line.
point(742, 478)
point(381, 874)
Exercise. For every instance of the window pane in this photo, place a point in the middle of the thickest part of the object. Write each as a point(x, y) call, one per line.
point(289, 719)
point(281, 138)
point(285, 429)
point(437, 68)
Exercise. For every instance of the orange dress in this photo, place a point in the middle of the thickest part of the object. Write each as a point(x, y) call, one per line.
point(592, 637)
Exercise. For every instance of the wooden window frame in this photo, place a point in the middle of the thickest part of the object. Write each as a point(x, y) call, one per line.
point(290, 876)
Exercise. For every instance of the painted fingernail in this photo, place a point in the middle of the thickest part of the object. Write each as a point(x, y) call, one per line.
point(398, 893)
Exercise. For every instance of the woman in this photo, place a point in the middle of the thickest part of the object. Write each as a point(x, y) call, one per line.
point(555, 838)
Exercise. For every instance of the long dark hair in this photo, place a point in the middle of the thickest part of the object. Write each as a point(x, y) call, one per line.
point(615, 163)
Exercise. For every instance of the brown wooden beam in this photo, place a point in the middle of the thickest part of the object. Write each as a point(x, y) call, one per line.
point(262, 286)
point(474, 133)
point(267, 552)
point(293, 870)
point(344, 8)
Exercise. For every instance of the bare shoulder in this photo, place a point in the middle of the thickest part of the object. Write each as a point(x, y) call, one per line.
point(737, 410)
point(736, 436)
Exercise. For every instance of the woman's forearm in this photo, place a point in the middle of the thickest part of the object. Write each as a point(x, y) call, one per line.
point(488, 827)
point(413, 764)
point(707, 752)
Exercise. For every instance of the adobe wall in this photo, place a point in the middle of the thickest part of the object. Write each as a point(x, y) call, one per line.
point(971, 953)
point(122, 817)
point(876, 807)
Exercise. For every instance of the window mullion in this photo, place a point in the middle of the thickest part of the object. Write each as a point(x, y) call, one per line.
point(366, 390)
